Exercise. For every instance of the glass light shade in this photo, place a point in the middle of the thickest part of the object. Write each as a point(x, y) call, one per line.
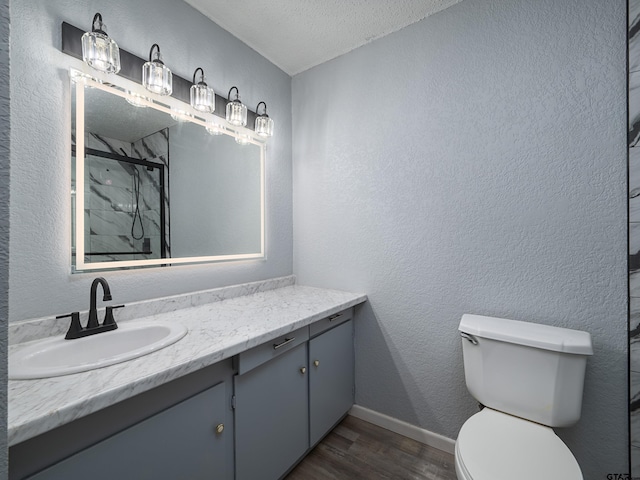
point(242, 140)
point(79, 77)
point(203, 97)
point(99, 51)
point(237, 113)
point(156, 76)
point(180, 115)
point(136, 100)
point(264, 126)
point(214, 129)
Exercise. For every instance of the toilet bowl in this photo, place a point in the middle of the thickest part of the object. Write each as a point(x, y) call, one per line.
point(530, 379)
point(497, 446)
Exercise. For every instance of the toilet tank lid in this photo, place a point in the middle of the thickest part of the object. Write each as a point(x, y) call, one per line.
point(526, 333)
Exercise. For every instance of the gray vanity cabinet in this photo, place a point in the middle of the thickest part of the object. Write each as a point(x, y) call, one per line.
point(289, 393)
point(331, 379)
point(271, 413)
point(187, 440)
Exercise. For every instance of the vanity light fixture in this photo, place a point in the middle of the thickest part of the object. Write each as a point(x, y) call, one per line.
point(156, 76)
point(203, 98)
point(98, 50)
point(264, 124)
point(236, 111)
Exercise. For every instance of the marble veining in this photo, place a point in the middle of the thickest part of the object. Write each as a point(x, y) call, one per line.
point(634, 109)
point(634, 35)
point(634, 233)
point(105, 144)
point(634, 259)
point(217, 330)
point(634, 184)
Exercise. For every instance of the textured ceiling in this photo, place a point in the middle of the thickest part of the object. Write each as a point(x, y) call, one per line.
point(299, 34)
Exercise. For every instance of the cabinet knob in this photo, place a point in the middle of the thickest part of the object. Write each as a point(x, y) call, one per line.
point(220, 428)
point(316, 363)
point(303, 370)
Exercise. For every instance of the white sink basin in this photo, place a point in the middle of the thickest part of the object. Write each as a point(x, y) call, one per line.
point(53, 357)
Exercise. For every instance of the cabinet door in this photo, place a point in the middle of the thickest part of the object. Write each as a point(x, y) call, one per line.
point(180, 442)
point(331, 379)
point(271, 416)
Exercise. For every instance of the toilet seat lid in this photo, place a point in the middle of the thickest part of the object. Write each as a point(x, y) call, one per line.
point(496, 446)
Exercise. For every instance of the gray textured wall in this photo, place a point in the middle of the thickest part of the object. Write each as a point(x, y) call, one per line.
point(40, 282)
point(473, 162)
point(5, 127)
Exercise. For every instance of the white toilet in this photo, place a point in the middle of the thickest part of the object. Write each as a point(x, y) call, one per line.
point(530, 378)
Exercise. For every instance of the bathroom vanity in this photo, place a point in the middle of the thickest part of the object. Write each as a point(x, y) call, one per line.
point(255, 384)
point(286, 402)
point(265, 370)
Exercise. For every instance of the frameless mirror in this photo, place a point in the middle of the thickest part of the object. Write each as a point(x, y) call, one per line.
point(153, 184)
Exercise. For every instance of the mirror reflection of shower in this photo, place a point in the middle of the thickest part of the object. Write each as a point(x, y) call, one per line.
point(125, 203)
point(136, 204)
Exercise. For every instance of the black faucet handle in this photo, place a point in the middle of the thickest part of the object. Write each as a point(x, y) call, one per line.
point(108, 316)
point(75, 328)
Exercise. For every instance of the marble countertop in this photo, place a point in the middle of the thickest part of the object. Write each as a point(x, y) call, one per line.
point(217, 331)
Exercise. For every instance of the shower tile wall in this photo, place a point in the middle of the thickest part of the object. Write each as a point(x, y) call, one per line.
point(109, 194)
point(634, 233)
point(104, 144)
point(155, 148)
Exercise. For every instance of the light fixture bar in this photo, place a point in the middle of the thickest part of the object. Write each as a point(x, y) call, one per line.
point(131, 69)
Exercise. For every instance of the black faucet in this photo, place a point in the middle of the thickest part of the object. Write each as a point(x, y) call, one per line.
point(76, 330)
point(93, 313)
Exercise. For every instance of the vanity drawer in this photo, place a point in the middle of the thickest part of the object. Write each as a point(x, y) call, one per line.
point(330, 322)
point(263, 353)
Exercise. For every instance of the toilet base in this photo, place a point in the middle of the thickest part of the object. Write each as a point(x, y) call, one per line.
point(461, 472)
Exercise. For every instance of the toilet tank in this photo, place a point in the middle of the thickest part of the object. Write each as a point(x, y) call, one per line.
point(532, 371)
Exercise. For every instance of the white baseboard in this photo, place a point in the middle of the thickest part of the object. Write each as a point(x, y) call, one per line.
point(418, 434)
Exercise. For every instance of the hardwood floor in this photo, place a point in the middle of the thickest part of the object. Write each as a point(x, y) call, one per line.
point(356, 449)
